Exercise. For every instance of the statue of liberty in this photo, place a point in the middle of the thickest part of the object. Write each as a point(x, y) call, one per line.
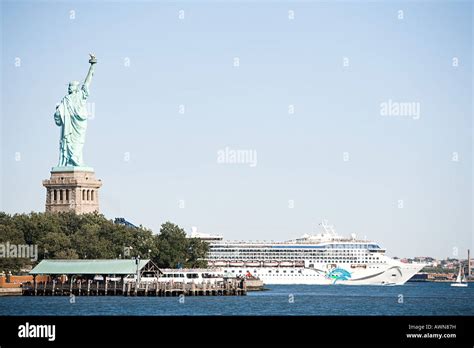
point(71, 115)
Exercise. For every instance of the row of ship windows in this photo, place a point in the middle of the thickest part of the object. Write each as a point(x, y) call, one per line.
point(256, 271)
point(345, 258)
point(296, 252)
point(330, 246)
point(269, 272)
point(305, 256)
point(325, 257)
point(302, 252)
point(293, 254)
point(342, 259)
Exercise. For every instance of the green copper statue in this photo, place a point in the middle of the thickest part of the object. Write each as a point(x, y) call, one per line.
point(71, 116)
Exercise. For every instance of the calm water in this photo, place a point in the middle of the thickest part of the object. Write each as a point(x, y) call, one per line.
point(418, 299)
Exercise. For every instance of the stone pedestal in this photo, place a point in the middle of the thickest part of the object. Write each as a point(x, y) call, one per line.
point(72, 189)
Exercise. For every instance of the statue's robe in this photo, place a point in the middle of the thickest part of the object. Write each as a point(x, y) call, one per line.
point(71, 116)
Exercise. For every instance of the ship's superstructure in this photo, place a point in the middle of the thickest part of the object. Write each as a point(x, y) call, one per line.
point(325, 258)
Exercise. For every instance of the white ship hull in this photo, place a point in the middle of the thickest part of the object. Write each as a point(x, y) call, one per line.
point(397, 274)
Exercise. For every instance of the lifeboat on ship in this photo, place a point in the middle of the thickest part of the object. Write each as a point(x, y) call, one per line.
point(253, 264)
point(270, 264)
point(358, 266)
point(286, 264)
point(236, 264)
point(220, 263)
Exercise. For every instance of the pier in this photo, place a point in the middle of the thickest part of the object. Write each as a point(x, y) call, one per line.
point(126, 278)
point(230, 287)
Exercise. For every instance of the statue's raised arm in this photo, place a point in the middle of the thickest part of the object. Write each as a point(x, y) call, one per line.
point(90, 73)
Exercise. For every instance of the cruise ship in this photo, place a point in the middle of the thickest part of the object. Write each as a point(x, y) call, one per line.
point(324, 259)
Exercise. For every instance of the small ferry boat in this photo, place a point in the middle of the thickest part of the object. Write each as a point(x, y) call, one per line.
point(188, 276)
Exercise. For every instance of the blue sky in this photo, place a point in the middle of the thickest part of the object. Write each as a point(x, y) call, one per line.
point(399, 186)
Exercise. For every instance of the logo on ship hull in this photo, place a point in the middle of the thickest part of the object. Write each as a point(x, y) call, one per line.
point(338, 274)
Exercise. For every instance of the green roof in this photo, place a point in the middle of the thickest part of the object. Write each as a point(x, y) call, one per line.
point(88, 267)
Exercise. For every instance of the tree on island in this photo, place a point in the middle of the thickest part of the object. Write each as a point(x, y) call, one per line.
point(91, 236)
point(175, 250)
